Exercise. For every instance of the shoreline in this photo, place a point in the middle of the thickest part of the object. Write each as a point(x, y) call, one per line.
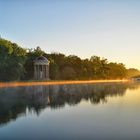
point(37, 83)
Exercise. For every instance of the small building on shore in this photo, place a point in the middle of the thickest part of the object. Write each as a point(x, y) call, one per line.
point(136, 78)
point(41, 68)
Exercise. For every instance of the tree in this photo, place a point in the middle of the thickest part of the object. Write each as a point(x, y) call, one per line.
point(32, 54)
point(68, 73)
point(17, 63)
point(12, 59)
point(99, 66)
point(116, 71)
point(132, 72)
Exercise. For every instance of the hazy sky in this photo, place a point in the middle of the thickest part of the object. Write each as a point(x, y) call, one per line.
point(108, 28)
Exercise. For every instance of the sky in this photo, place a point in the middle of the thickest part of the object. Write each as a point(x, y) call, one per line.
point(106, 28)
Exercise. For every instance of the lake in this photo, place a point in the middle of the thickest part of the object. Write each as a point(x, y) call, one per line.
point(99, 111)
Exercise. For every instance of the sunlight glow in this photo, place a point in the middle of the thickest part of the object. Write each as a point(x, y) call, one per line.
point(16, 84)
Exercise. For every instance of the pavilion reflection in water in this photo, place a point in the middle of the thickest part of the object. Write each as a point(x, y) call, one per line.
point(15, 102)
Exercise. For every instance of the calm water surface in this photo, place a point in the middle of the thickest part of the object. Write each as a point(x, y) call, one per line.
point(107, 111)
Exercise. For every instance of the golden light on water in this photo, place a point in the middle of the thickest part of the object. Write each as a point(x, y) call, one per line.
point(16, 84)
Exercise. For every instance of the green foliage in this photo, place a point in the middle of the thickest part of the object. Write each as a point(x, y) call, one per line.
point(117, 71)
point(32, 54)
point(72, 67)
point(99, 67)
point(17, 63)
point(132, 72)
point(12, 58)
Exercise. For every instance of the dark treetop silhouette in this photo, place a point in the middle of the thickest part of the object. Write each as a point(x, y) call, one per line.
point(17, 63)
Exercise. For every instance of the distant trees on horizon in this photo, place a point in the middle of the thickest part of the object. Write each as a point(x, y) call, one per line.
point(16, 63)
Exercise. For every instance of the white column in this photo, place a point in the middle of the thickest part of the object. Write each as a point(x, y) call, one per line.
point(44, 75)
point(37, 71)
point(35, 76)
point(47, 72)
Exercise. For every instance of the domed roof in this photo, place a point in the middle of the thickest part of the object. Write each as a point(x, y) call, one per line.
point(41, 59)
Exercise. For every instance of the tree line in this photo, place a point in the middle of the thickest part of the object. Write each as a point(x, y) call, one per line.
point(16, 63)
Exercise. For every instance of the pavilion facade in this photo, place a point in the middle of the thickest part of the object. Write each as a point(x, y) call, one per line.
point(41, 68)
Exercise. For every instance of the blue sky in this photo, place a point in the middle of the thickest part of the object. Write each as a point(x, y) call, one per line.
point(108, 28)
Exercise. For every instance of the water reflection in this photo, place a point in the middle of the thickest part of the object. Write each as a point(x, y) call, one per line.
point(15, 102)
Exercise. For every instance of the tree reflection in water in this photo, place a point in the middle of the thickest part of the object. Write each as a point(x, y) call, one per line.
point(15, 101)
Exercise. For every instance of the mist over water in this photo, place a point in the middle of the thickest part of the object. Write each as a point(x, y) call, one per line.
point(72, 111)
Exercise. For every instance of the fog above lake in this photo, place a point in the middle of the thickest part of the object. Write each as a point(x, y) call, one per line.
point(17, 101)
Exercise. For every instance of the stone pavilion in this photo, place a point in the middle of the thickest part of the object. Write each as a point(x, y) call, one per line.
point(41, 68)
